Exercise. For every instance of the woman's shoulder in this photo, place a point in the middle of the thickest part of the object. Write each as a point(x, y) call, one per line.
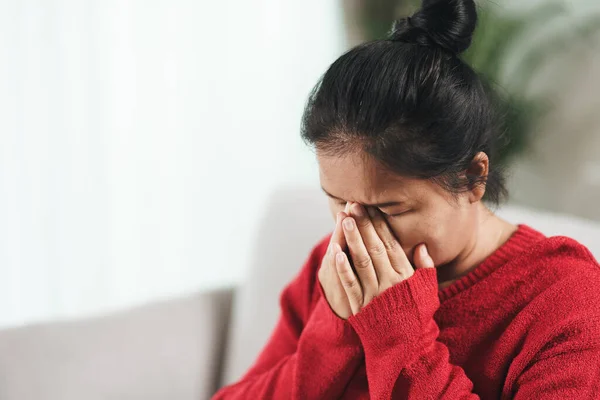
point(562, 274)
point(543, 271)
point(315, 257)
point(304, 288)
point(532, 256)
point(320, 248)
point(563, 254)
point(556, 280)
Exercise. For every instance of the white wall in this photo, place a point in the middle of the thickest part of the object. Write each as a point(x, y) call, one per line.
point(141, 139)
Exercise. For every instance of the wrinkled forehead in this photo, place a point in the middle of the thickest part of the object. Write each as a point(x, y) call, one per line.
point(355, 177)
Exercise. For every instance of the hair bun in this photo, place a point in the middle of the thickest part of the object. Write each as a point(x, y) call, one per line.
point(445, 23)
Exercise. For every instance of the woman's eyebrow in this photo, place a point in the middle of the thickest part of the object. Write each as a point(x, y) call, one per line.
point(380, 205)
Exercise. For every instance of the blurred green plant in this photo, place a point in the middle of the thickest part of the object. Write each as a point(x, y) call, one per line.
point(494, 42)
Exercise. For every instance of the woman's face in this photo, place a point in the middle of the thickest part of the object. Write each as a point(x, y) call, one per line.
point(420, 211)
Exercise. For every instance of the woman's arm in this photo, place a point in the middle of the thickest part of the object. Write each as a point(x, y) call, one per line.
point(561, 357)
point(397, 330)
point(568, 367)
point(309, 355)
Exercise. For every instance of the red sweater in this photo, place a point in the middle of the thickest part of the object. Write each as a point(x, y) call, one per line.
point(524, 324)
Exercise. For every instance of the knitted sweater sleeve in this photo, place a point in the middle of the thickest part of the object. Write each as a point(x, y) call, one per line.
point(567, 367)
point(404, 359)
point(560, 358)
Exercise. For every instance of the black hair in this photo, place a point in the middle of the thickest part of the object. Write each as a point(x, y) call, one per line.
point(410, 102)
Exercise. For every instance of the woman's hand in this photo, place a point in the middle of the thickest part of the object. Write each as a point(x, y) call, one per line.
point(378, 258)
point(328, 275)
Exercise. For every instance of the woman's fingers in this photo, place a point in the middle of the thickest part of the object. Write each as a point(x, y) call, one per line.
point(338, 233)
point(337, 236)
point(350, 282)
point(421, 258)
point(335, 276)
point(336, 244)
point(331, 284)
point(361, 259)
point(394, 250)
point(374, 245)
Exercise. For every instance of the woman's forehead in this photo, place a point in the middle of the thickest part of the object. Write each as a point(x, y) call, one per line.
point(352, 178)
point(365, 181)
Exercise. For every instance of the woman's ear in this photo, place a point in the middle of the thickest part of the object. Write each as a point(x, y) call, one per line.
point(477, 174)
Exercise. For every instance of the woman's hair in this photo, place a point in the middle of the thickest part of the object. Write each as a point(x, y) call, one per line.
point(411, 103)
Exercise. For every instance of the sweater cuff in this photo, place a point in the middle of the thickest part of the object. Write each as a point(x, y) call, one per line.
point(338, 327)
point(401, 313)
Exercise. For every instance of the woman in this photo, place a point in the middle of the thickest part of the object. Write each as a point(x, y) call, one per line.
point(421, 292)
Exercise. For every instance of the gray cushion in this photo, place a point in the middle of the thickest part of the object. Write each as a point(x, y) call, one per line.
point(168, 350)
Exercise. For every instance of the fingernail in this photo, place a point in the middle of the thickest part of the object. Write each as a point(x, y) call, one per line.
point(358, 210)
point(348, 224)
point(426, 257)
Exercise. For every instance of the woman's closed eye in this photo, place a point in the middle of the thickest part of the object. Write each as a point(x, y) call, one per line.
point(386, 215)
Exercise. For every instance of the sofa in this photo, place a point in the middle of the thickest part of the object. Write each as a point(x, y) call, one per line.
point(188, 347)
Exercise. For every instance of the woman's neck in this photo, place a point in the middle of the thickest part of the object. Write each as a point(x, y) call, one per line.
point(490, 234)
